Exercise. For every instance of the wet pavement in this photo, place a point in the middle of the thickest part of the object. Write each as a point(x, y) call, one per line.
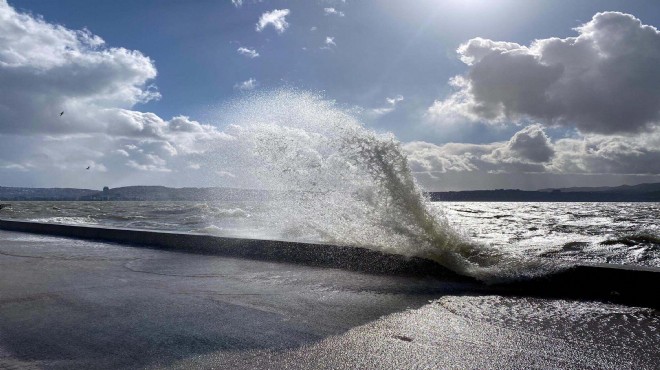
point(67, 303)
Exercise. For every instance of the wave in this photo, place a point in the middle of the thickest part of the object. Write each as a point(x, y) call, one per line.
point(211, 229)
point(229, 212)
point(634, 240)
point(87, 220)
point(350, 185)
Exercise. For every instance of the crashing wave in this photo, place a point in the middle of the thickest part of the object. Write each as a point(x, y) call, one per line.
point(350, 185)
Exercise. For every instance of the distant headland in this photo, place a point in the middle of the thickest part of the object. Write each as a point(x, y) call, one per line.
point(626, 193)
point(129, 193)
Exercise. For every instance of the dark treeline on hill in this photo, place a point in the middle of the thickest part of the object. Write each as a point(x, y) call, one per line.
point(130, 193)
point(636, 193)
point(625, 193)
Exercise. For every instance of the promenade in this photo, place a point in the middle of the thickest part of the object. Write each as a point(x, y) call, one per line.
point(68, 303)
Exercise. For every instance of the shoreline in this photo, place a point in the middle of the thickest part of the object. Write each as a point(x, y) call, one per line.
point(604, 282)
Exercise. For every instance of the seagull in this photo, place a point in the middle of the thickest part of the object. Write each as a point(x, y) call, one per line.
point(88, 167)
point(61, 113)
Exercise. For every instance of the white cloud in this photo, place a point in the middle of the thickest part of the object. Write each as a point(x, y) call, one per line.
point(605, 80)
point(225, 174)
point(608, 155)
point(329, 43)
point(250, 53)
point(395, 100)
point(148, 166)
point(333, 11)
point(531, 151)
point(389, 108)
point(237, 3)
point(314, 28)
point(15, 166)
point(430, 158)
point(530, 145)
point(275, 19)
point(246, 85)
point(46, 69)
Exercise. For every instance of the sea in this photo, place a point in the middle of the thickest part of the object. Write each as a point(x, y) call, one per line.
point(618, 233)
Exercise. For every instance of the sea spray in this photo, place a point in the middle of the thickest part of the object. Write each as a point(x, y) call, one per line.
point(345, 184)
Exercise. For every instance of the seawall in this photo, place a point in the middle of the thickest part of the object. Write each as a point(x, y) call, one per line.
point(310, 254)
point(617, 283)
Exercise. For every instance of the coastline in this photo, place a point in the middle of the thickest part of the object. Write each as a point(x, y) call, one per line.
point(604, 282)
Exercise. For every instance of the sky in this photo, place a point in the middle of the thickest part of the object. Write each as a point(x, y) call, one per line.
point(481, 94)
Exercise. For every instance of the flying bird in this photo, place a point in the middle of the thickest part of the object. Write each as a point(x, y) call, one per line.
point(88, 167)
point(61, 113)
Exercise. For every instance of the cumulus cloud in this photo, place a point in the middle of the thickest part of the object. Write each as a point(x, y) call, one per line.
point(250, 84)
point(530, 150)
point(605, 80)
point(430, 158)
point(530, 144)
point(333, 11)
point(250, 53)
point(608, 155)
point(500, 157)
point(149, 162)
point(275, 19)
point(46, 69)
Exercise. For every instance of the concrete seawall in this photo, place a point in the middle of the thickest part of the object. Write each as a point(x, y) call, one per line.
point(616, 283)
point(310, 254)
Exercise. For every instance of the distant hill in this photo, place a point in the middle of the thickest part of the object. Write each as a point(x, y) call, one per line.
point(8, 193)
point(152, 193)
point(135, 193)
point(626, 193)
point(626, 189)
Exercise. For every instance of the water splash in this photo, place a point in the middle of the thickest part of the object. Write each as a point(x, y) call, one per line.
point(337, 181)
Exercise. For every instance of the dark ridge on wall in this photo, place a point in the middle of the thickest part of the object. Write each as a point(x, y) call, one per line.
point(621, 284)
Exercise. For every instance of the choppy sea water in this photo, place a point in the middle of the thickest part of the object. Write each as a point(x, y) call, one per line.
point(621, 233)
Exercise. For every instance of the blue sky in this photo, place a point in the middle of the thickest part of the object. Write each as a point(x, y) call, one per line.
point(388, 62)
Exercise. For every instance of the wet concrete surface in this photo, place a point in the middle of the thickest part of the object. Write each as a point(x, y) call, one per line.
point(67, 303)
